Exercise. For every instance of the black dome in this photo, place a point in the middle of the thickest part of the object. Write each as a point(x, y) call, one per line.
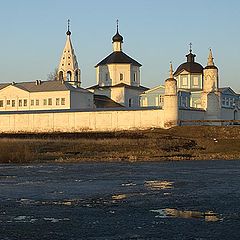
point(117, 37)
point(191, 66)
point(68, 33)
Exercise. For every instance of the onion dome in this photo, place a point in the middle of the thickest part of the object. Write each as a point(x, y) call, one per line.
point(190, 66)
point(117, 37)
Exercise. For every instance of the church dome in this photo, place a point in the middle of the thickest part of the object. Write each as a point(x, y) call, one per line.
point(117, 37)
point(190, 66)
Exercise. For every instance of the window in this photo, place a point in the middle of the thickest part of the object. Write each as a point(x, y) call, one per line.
point(37, 102)
point(49, 101)
point(32, 102)
point(25, 102)
point(57, 101)
point(195, 81)
point(20, 103)
point(106, 77)
point(1, 103)
point(62, 101)
point(161, 99)
point(130, 102)
point(135, 77)
point(13, 103)
point(8, 102)
point(121, 76)
point(44, 102)
point(184, 80)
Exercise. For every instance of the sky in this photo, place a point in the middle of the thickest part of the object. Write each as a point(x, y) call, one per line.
point(155, 32)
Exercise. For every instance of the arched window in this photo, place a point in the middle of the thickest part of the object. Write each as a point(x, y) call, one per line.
point(69, 76)
point(60, 76)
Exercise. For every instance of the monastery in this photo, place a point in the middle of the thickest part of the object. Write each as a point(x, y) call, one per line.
point(118, 101)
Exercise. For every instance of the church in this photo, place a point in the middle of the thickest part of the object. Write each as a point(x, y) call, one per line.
point(118, 100)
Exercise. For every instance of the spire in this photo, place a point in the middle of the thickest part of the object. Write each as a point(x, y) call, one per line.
point(210, 58)
point(171, 70)
point(68, 66)
point(68, 28)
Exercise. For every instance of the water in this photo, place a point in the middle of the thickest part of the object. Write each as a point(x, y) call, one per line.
point(168, 200)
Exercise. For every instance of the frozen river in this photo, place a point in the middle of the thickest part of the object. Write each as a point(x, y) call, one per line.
point(167, 200)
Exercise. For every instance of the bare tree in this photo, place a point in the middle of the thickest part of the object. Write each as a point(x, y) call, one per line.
point(52, 76)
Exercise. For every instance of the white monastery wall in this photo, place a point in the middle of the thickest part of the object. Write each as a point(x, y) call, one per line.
point(81, 121)
point(230, 114)
point(191, 114)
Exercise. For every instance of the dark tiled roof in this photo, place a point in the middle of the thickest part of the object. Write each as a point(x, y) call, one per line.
point(44, 86)
point(142, 88)
point(118, 57)
point(102, 101)
point(191, 67)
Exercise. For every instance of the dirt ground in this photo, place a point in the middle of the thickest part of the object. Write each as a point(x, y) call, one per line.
point(179, 143)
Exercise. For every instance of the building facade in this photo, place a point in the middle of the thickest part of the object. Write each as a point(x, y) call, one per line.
point(118, 76)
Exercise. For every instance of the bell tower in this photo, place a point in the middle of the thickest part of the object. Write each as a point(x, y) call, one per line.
point(68, 67)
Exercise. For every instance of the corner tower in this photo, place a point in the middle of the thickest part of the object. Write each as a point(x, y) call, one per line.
point(170, 101)
point(210, 98)
point(68, 67)
point(210, 73)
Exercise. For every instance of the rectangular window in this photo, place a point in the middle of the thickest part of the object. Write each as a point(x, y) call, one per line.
point(57, 101)
point(106, 77)
point(62, 101)
point(20, 103)
point(130, 102)
point(8, 102)
point(184, 81)
point(13, 103)
point(44, 102)
point(1, 103)
point(121, 76)
point(49, 101)
point(25, 102)
point(161, 99)
point(195, 81)
point(135, 77)
point(37, 102)
point(32, 102)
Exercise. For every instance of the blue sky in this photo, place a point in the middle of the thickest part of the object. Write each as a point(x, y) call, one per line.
point(155, 32)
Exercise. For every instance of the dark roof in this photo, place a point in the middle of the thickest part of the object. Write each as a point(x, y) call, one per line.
point(142, 88)
point(44, 86)
point(190, 66)
point(102, 101)
point(118, 57)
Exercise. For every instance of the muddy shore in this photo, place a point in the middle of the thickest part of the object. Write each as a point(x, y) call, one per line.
point(179, 143)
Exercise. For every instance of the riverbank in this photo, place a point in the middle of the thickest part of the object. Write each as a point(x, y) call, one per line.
point(179, 143)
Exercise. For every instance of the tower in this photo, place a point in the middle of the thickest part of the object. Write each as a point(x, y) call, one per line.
point(170, 101)
point(210, 73)
point(68, 67)
point(210, 99)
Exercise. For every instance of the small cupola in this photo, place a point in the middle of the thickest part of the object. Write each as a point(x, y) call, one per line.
point(190, 56)
point(117, 41)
